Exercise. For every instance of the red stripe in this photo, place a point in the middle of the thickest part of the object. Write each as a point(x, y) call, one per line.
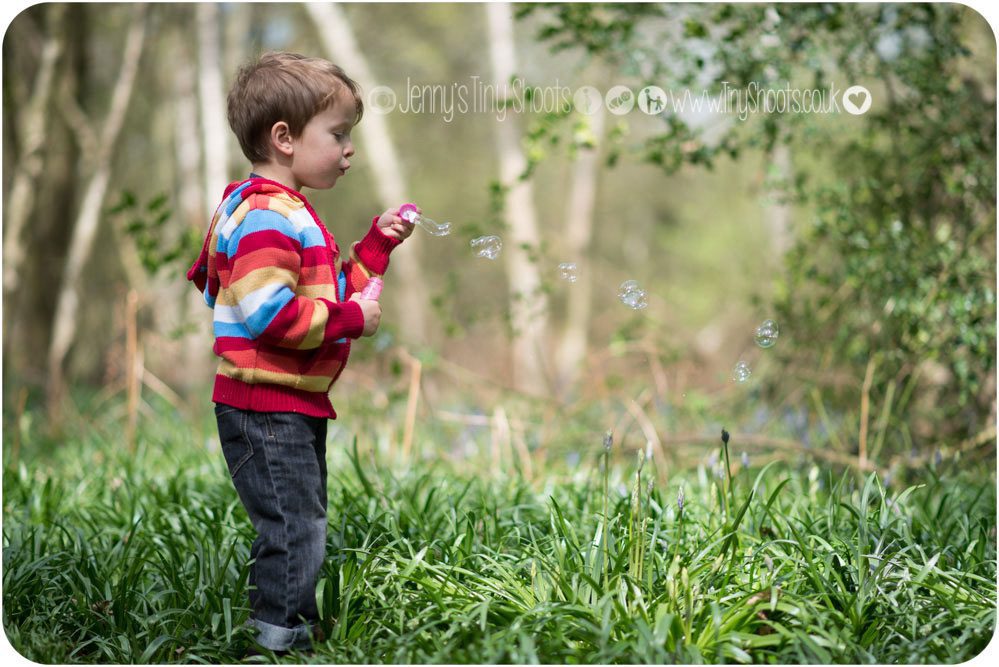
point(289, 362)
point(233, 344)
point(297, 331)
point(315, 256)
point(285, 320)
point(267, 238)
point(265, 258)
point(315, 275)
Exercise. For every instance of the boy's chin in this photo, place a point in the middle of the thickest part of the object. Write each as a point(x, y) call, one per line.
point(320, 184)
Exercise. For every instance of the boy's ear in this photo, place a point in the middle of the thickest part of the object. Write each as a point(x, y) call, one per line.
point(281, 138)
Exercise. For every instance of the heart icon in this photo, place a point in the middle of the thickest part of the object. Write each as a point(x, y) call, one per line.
point(862, 95)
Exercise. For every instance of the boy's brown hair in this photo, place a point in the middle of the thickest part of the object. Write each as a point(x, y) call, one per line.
point(283, 86)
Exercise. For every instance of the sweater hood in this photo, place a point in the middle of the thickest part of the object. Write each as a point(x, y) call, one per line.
point(203, 272)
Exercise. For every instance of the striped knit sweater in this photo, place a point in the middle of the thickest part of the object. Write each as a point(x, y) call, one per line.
point(274, 278)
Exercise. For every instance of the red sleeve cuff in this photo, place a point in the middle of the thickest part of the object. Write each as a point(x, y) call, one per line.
point(346, 320)
point(373, 250)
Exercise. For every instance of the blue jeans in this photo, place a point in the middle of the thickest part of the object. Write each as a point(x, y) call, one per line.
point(277, 461)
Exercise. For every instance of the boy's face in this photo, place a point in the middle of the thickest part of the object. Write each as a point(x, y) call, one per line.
point(321, 153)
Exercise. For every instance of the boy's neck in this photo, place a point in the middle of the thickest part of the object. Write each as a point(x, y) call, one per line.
point(276, 172)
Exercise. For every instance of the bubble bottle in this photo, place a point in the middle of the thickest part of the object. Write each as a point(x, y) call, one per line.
point(409, 213)
point(373, 289)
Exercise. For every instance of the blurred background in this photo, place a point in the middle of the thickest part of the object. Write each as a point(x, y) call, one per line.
point(869, 239)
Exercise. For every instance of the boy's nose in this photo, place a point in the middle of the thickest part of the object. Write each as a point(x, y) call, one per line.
point(349, 150)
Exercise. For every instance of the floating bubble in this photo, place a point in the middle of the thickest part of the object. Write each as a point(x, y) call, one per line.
point(632, 295)
point(487, 246)
point(567, 271)
point(766, 334)
point(741, 372)
point(627, 286)
point(637, 300)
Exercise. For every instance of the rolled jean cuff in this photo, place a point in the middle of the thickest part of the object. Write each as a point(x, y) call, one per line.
point(277, 638)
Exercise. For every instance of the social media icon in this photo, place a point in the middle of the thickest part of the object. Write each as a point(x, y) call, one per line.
point(381, 99)
point(857, 100)
point(587, 100)
point(652, 100)
point(620, 100)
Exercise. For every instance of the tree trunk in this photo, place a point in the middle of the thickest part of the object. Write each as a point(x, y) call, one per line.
point(578, 237)
point(88, 218)
point(528, 304)
point(196, 210)
point(338, 41)
point(212, 99)
point(19, 202)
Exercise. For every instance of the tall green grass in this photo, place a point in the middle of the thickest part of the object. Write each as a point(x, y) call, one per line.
point(117, 557)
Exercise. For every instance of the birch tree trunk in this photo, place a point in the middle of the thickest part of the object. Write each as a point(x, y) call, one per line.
point(88, 218)
point(579, 237)
point(193, 199)
point(211, 96)
point(196, 209)
point(19, 201)
point(238, 21)
point(340, 45)
point(528, 304)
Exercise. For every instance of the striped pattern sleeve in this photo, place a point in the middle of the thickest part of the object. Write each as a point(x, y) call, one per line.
point(260, 262)
point(368, 257)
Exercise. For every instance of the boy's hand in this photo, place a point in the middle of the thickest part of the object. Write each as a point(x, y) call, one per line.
point(394, 226)
point(372, 311)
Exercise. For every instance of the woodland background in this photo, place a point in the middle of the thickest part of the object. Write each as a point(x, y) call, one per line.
point(869, 239)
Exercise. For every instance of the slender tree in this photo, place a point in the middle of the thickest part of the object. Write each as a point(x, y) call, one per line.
point(98, 165)
point(578, 238)
point(33, 122)
point(528, 303)
point(211, 99)
point(337, 37)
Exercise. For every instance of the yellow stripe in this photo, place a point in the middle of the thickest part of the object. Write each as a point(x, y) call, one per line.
point(317, 327)
point(267, 275)
point(357, 262)
point(283, 203)
point(316, 292)
point(256, 375)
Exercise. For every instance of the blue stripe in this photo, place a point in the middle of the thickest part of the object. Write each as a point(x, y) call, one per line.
point(257, 220)
point(341, 285)
point(266, 313)
point(231, 330)
point(235, 198)
point(312, 237)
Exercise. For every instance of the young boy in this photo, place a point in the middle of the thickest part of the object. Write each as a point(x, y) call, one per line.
point(286, 306)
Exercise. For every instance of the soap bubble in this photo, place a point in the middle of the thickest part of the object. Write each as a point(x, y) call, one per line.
point(766, 334)
point(741, 372)
point(487, 246)
point(632, 295)
point(627, 286)
point(567, 271)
